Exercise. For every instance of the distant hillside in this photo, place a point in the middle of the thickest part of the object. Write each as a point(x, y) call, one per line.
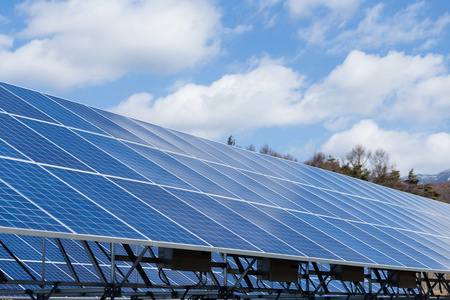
point(440, 177)
point(442, 188)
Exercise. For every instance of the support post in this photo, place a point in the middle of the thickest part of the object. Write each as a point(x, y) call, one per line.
point(43, 259)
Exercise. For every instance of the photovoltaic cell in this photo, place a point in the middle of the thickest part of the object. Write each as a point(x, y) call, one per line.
point(14, 105)
point(92, 156)
point(220, 155)
point(141, 132)
point(191, 219)
point(248, 193)
point(378, 243)
point(35, 146)
point(106, 194)
point(225, 181)
point(358, 245)
point(51, 108)
point(307, 201)
point(75, 213)
point(292, 237)
point(18, 212)
point(427, 254)
point(19, 248)
point(135, 161)
point(175, 167)
point(229, 219)
point(8, 151)
point(179, 142)
point(98, 120)
point(69, 168)
point(320, 237)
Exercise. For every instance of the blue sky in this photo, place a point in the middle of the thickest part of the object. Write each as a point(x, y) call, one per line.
point(302, 76)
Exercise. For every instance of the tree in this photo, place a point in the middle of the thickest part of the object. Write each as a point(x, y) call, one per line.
point(332, 164)
point(429, 192)
point(381, 171)
point(356, 171)
point(380, 167)
point(287, 156)
point(356, 161)
point(265, 149)
point(251, 147)
point(317, 160)
point(358, 156)
point(412, 178)
point(393, 180)
point(231, 141)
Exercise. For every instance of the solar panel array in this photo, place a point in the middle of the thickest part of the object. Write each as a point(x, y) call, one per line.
point(67, 168)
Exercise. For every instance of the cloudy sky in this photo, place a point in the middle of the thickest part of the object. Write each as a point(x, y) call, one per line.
point(302, 76)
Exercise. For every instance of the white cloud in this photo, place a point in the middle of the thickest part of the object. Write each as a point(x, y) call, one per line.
point(377, 30)
point(4, 20)
point(369, 85)
point(424, 152)
point(324, 16)
point(78, 42)
point(306, 8)
point(395, 87)
point(331, 24)
point(262, 97)
point(5, 41)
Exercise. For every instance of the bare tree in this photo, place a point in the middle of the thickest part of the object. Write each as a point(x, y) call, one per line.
point(317, 160)
point(381, 167)
point(251, 147)
point(358, 156)
point(265, 149)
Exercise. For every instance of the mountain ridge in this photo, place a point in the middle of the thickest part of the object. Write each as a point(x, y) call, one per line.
point(439, 177)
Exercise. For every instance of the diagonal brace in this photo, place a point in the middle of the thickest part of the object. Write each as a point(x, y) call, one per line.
point(133, 267)
point(243, 274)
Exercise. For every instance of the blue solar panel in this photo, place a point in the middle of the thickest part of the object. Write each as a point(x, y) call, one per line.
point(52, 109)
point(220, 155)
point(294, 238)
point(98, 120)
point(13, 270)
point(221, 214)
point(92, 156)
point(69, 168)
point(229, 183)
point(21, 249)
point(18, 212)
point(191, 219)
point(187, 174)
point(8, 151)
point(179, 142)
point(135, 161)
point(324, 239)
point(358, 245)
point(149, 222)
point(35, 146)
point(14, 105)
point(141, 132)
point(74, 212)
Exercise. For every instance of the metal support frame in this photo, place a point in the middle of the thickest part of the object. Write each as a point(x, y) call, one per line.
point(315, 280)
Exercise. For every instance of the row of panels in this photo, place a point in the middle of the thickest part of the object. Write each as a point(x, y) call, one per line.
point(56, 110)
point(70, 168)
point(57, 145)
point(62, 200)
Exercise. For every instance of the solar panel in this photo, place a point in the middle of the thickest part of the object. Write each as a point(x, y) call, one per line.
point(67, 168)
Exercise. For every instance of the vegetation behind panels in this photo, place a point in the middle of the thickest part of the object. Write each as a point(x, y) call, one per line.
point(375, 167)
